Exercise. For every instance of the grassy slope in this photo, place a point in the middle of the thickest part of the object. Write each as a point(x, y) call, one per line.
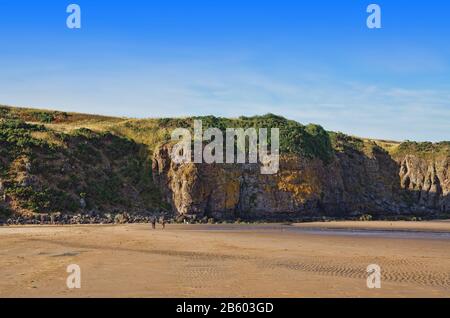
point(51, 170)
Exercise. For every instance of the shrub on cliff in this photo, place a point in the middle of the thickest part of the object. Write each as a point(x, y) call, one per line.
point(310, 141)
point(18, 134)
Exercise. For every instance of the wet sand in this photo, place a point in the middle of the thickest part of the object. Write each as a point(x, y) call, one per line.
point(300, 260)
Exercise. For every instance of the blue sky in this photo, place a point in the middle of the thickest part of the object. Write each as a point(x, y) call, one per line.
point(312, 61)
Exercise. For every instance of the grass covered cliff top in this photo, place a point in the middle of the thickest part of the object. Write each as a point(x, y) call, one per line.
point(425, 150)
point(306, 140)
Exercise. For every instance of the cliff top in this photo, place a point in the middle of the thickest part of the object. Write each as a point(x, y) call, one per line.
point(307, 140)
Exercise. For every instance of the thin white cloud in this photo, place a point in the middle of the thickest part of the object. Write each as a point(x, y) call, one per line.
point(227, 89)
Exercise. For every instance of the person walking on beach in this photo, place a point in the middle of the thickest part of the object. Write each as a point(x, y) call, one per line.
point(153, 223)
point(163, 222)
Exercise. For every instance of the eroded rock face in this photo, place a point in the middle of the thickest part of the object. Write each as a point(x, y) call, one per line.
point(427, 181)
point(353, 183)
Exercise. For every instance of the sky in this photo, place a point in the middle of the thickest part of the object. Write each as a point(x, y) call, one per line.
point(314, 61)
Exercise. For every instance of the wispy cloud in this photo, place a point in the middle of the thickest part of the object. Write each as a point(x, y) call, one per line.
point(148, 90)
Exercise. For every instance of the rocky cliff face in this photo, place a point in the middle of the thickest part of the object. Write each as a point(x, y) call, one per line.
point(353, 183)
point(51, 169)
point(427, 182)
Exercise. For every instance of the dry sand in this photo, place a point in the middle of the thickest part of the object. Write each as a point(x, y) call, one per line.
point(302, 260)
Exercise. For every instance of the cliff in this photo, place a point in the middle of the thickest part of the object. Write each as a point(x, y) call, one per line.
point(353, 183)
point(68, 163)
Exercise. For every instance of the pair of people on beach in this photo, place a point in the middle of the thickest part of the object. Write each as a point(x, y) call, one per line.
point(161, 220)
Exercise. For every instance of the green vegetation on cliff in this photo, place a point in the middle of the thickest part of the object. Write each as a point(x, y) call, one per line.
point(425, 150)
point(42, 170)
point(311, 141)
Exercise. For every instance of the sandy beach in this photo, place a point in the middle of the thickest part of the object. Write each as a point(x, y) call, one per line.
point(300, 260)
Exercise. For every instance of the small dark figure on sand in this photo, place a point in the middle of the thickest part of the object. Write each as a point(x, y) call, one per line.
point(154, 223)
